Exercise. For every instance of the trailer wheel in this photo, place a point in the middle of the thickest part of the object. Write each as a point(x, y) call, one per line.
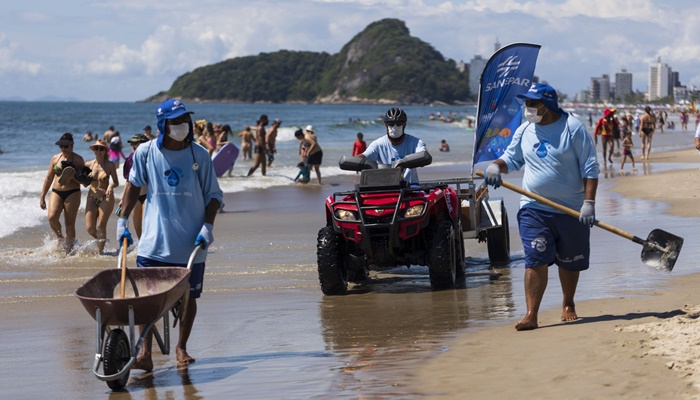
point(116, 355)
point(329, 256)
point(442, 256)
point(498, 242)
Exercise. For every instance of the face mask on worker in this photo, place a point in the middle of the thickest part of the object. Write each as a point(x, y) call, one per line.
point(395, 131)
point(179, 132)
point(531, 115)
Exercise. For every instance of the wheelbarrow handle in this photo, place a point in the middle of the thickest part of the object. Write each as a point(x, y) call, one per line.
point(194, 253)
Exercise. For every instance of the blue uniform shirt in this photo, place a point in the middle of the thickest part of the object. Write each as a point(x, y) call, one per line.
point(558, 157)
point(176, 200)
point(383, 152)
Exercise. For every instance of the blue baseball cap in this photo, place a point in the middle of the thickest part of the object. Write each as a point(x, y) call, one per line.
point(171, 109)
point(543, 92)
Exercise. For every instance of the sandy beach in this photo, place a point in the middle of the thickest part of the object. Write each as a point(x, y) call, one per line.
point(264, 330)
point(638, 344)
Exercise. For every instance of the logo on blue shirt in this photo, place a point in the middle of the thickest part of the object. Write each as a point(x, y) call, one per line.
point(172, 176)
point(541, 148)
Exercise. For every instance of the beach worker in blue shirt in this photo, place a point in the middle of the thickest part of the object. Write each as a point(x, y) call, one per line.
point(396, 144)
point(561, 165)
point(181, 204)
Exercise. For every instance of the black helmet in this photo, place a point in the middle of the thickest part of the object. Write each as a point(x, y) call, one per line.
point(395, 114)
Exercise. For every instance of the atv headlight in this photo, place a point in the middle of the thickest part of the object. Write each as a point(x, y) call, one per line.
point(345, 215)
point(414, 211)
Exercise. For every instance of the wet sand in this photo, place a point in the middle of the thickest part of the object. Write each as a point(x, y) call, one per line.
point(264, 330)
point(635, 344)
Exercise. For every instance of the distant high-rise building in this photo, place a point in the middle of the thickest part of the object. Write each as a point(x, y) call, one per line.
point(660, 81)
point(599, 89)
point(476, 67)
point(623, 84)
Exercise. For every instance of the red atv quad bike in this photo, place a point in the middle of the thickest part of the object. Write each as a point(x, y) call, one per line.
point(387, 222)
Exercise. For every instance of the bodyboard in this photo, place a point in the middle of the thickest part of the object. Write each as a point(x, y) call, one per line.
point(224, 159)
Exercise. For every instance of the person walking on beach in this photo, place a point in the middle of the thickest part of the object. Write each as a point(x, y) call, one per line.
point(260, 147)
point(561, 165)
point(311, 152)
point(627, 150)
point(246, 143)
point(697, 138)
point(100, 197)
point(359, 146)
point(65, 191)
point(182, 203)
point(271, 140)
point(396, 144)
point(115, 148)
point(604, 129)
point(647, 124)
point(137, 213)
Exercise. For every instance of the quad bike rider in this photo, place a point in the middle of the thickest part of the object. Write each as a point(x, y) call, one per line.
point(390, 219)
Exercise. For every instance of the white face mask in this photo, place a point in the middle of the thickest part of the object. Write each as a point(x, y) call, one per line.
point(179, 132)
point(395, 131)
point(531, 115)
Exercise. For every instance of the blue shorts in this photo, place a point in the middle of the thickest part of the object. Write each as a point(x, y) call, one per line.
point(553, 238)
point(196, 273)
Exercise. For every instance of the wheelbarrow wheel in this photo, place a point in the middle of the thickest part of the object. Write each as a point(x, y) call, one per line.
point(116, 355)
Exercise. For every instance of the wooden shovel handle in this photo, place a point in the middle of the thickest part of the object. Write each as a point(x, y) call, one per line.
point(125, 244)
point(561, 208)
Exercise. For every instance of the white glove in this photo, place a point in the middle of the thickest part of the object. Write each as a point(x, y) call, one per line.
point(587, 216)
point(492, 176)
point(206, 235)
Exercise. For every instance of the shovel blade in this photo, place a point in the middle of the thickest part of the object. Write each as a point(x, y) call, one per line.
point(661, 250)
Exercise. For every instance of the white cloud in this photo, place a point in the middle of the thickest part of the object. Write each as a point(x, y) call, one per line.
point(10, 64)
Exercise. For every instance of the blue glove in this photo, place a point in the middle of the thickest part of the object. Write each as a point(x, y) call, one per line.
point(492, 176)
point(587, 216)
point(123, 232)
point(206, 235)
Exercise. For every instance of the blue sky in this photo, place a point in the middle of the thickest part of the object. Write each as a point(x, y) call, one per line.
point(127, 50)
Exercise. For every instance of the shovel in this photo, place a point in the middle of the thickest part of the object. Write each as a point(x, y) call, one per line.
point(659, 251)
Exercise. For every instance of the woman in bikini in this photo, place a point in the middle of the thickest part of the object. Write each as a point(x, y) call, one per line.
point(65, 191)
point(100, 198)
point(646, 131)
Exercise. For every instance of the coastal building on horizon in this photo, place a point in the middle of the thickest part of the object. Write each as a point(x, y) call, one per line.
point(623, 84)
point(661, 81)
point(599, 89)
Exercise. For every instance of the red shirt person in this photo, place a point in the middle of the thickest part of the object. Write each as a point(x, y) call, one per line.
point(359, 146)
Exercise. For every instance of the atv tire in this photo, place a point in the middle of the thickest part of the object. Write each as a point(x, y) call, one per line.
point(442, 257)
point(498, 242)
point(332, 273)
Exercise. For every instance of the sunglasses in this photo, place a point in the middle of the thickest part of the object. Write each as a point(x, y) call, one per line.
point(100, 148)
point(64, 146)
point(395, 123)
point(533, 103)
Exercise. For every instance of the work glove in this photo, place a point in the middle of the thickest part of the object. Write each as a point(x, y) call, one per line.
point(206, 235)
point(587, 216)
point(492, 176)
point(123, 232)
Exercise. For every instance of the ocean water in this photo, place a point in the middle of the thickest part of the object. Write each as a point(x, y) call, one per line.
point(28, 131)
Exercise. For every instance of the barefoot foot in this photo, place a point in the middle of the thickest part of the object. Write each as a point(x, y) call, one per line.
point(526, 324)
point(569, 314)
point(183, 358)
point(143, 362)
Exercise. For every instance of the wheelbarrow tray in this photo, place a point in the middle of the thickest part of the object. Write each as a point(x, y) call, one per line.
point(151, 291)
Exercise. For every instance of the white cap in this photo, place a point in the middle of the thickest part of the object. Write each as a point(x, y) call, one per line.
point(309, 128)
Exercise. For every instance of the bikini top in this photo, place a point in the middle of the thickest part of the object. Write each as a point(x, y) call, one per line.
point(64, 163)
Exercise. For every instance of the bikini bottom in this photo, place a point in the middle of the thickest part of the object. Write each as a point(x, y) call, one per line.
point(63, 194)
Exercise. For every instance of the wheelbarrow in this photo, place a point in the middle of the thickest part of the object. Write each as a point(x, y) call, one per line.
point(148, 296)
